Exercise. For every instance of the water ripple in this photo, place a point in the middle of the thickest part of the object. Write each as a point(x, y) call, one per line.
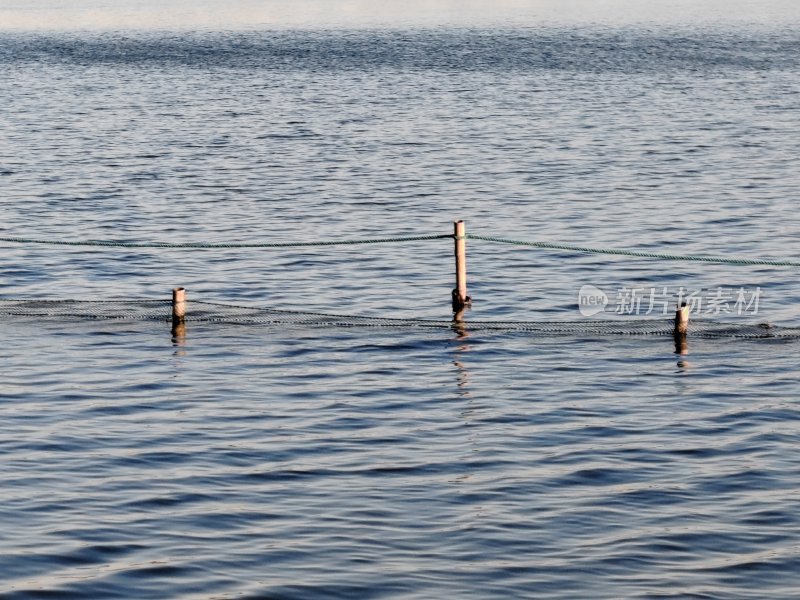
point(279, 462)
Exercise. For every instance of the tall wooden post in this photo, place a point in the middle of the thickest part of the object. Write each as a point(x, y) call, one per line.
point(460, 298)
point(681, 329)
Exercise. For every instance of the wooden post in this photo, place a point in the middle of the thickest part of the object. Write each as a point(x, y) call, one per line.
point(681, 329)
point(178, 312)
point(178, 305)
point(460, 298)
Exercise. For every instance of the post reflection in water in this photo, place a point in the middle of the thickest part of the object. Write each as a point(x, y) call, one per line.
point(467, 413)
point(460, 328)
point(179, 338)
point(682, 350)
point(462, 348)
point(681, 344)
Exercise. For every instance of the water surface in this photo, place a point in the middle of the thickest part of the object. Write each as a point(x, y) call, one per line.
point(299, 462)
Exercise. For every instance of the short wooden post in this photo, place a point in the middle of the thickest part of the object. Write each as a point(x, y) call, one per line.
point(460, 298)
point(178, 311)
point(178, 305)
point(681, 329)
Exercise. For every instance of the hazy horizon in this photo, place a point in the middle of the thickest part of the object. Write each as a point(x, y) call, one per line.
point(250, 14)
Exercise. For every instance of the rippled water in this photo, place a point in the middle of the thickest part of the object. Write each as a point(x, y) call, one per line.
point(291, 462)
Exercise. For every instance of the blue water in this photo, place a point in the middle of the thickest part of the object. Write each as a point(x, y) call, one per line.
point(291, 462)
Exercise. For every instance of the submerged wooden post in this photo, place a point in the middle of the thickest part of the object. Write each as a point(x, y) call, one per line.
point(460, 298)
point(681, 329)
point(178, 312)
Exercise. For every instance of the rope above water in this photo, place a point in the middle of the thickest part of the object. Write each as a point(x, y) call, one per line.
point(641, 253)
point(222, 246)
point(725, 260)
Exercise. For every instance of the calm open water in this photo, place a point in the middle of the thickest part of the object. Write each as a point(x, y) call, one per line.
point(291, 462)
